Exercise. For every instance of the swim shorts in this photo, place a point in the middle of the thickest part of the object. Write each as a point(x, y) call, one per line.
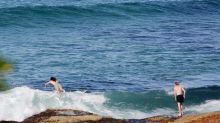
point(180, 98)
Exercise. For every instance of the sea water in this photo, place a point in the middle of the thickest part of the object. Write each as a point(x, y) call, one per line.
point(115, 58)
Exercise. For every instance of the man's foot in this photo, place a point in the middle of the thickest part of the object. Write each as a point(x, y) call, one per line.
point(179, 115)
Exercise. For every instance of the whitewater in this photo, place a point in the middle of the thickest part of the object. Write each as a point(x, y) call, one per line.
point(22, 102)
point(115, 58)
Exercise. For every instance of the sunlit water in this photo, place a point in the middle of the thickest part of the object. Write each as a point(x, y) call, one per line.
point(129, 52)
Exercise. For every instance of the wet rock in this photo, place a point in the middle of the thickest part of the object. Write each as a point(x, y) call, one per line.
point(76, 116)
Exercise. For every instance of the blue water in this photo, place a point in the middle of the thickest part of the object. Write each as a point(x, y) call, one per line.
point(125, 49)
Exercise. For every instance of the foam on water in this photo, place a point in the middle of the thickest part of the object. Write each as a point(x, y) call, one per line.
point(208, 106)
point(22, 102)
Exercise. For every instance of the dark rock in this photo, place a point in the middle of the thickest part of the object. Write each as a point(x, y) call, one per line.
point(76, 116)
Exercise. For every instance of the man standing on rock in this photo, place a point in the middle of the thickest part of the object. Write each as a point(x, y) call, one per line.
point(179, 94)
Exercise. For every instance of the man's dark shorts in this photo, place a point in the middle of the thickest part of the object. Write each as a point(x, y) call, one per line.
point(180, 98)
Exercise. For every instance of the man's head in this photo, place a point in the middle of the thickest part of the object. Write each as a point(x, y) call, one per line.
point(53, 79)
point(176, 82)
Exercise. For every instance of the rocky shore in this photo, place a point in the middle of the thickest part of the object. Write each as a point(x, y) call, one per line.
point(76, 116)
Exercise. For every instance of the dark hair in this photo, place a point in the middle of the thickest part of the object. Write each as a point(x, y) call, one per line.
point(177, 82)
point(53, 79)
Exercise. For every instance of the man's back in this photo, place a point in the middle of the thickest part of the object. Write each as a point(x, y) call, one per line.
point(178, 90)
point(179, 93)
point(57, 86)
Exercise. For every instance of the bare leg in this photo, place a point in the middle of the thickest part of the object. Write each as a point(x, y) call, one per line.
point(58, 94)
point(179, 108)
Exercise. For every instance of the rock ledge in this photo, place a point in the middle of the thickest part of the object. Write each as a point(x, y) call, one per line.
point(76, 116)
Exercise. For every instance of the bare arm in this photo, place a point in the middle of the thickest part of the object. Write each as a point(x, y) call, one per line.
point(184, 92)
point(47, 84)
point(174, 90)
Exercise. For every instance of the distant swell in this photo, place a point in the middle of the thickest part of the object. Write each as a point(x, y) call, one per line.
point(151, 100)
point(128, 10)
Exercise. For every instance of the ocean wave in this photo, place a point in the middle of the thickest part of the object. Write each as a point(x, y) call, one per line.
point(128, 6)
point(33, 3)
point(151, 100)
point(22, 102)
point(126, 10)
point(207, 106)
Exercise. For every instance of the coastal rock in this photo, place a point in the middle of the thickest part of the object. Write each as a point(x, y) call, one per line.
point(69, 116)
point(213, 117)
point(76, 116)
point(161, 119)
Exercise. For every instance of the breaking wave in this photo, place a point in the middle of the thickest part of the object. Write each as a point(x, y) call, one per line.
point(22, 102)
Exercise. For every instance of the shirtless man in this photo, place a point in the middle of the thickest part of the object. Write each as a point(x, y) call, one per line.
point(179, 94)
point(57, 86)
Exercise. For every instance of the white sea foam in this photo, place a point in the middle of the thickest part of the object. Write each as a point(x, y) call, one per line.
point(22, 102)
point(208, 106)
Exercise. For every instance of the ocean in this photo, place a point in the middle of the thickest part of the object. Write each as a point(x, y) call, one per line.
point(115, 58)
